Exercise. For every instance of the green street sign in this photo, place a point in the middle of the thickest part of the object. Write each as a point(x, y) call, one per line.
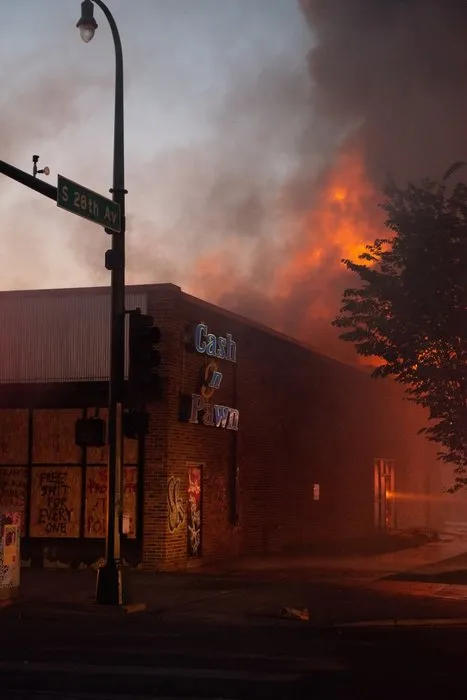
point(88, 204)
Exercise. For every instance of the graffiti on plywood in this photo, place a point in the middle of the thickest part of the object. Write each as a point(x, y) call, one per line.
point(176, 510)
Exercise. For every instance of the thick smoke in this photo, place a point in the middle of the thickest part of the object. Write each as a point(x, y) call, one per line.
point(38, 106)
point(386, 80)
point(218, 205)
point(394, 70)
point(243, 216)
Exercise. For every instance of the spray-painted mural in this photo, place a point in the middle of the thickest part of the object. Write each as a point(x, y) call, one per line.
point(194, 520)
point(176, 510)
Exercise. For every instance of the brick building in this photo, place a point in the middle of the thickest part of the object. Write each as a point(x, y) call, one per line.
point(256, 442)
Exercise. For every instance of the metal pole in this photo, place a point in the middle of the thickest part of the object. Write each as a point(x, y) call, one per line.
point(109, 588)
point(28, 180)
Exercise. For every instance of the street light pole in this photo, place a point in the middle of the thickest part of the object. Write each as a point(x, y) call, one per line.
point(109, 588)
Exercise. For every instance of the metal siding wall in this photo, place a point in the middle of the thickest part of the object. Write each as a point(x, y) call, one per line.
point(53, 338)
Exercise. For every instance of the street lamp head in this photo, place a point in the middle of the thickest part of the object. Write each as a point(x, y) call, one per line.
point(86, 33)
point(87, 25)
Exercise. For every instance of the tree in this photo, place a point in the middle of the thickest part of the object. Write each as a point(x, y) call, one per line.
point(410, 308)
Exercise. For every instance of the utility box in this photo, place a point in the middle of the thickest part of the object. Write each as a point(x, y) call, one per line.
point(10, 558)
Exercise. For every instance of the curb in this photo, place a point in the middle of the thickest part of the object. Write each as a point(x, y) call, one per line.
point(435, 622)
point(94, 609)
point(26, 610)
point(134, 608)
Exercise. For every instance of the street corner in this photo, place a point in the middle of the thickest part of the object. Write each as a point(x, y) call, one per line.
point(41, 610)
point(394, 587)
point(417, 588)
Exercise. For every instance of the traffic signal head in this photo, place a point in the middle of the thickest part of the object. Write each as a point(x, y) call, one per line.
point(144, 357)
point(90, 432)
point(135, 424)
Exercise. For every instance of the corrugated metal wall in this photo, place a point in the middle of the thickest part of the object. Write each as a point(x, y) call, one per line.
point(57, 337)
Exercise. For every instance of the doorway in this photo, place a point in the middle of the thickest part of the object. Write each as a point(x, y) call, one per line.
point(385, 510)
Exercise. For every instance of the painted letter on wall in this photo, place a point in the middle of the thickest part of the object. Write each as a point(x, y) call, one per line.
point(55, 501)
point(13, 488)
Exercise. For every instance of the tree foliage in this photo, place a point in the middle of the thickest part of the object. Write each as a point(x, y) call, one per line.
point(410, 308)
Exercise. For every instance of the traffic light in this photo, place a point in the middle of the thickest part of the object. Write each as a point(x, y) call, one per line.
point(144, 357)
point(90, 432)
point(135, 424)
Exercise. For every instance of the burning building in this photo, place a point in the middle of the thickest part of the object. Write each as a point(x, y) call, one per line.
point(256, 443)
point(380, 95)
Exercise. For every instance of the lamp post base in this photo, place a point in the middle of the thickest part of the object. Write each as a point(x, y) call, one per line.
point(109, 585)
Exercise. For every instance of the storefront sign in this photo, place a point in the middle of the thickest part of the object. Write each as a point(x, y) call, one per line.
point(215, 346)
point(211, 380)
point(199, 407)
point(212, 414)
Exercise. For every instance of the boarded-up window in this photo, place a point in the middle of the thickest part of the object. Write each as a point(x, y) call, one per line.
point(54, 437)
point(55, 501)
point(13, 436)
point(96, 500)
point(14, 447)
point(13, 490)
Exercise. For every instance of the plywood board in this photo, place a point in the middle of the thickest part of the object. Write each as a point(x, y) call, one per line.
point(130, 498)
point(96, 500)
point(54, 436)
point(55, 501)
point(13, 492)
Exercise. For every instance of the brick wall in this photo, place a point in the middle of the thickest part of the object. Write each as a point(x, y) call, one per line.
point(304, 419)
point(162, 306)
point(189, 443)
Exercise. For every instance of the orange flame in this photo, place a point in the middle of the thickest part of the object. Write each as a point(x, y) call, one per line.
point(343, 220)
point(343, 217)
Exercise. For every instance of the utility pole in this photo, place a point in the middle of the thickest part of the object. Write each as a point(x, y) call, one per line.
point(109, 588)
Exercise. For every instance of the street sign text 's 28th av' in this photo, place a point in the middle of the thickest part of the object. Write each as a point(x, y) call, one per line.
point(88, 204)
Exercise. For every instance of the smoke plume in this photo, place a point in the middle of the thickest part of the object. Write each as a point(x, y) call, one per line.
point(284, 175)
point(384, 95)
point(394, 69)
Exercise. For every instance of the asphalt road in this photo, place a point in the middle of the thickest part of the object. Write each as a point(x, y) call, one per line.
point(81, 656)
point(221, 636)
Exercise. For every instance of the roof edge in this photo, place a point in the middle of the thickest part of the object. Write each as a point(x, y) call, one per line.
point(86, 291)
point(271, 331)
point(177, 290)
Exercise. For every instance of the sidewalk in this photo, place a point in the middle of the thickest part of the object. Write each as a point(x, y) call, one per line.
point(254, 592)
point(372, 566)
